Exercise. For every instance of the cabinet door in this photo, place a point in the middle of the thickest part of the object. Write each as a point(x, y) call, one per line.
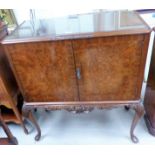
point(45, 71)
point(108, 68)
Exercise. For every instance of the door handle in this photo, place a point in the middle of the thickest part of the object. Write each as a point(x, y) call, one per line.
point(78, 73)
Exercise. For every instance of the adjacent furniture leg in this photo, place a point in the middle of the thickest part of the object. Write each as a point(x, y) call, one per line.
point(11, 138)
point(139, 111)
point(19, 117)
point(149, 105)
point(27, 113)
point(150, 127)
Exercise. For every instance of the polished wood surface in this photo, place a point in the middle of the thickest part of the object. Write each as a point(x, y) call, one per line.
point(46, 71)
point(94, 60)
point(39, 68)
point(95, 24)
point(100, 62)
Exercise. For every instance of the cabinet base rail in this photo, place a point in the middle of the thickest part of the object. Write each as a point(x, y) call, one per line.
point(28, 109)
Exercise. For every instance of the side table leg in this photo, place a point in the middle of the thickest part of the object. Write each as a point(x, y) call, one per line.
point(18, 116)
point(139, 111)
point(12, 139)
point(27, 113)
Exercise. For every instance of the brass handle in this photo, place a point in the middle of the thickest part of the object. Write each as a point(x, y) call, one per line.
point(78, 73)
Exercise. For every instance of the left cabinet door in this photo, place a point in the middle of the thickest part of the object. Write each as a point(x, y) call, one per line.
point(45, 71)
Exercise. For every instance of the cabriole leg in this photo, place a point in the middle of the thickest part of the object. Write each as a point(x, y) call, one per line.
point(139, 111)
point(27, 113)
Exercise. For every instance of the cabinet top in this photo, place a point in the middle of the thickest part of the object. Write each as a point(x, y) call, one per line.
point(94, 24)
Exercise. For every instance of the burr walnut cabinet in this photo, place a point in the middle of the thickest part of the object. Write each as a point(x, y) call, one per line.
point(80, 62)
point(8, 87)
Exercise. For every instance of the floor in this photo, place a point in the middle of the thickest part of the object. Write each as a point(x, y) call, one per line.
point(97, 127)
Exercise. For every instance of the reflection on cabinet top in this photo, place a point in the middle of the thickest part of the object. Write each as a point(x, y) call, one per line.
point(94, 24)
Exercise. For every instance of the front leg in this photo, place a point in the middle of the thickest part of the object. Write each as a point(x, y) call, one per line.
point(139, 111)
point(27, 113)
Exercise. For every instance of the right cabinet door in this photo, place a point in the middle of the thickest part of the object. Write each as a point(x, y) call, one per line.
point(108, 68)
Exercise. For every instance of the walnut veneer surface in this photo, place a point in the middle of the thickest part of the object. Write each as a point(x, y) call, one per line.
point(80, 61)
point(53, 62)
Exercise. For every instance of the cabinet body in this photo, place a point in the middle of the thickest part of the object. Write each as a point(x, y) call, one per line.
point(48, 71)
point(93, 60)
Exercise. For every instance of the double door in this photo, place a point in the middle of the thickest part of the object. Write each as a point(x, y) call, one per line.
point(91, 69)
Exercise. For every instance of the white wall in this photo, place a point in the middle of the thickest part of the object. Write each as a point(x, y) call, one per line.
point(21, 15)
point(24, 14)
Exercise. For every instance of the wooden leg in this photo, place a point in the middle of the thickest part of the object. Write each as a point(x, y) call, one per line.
point(18, 115)
point(150, 128)
point(139, 111)
point(27, 113)
point(127, 108)
point(47, 110)
point(12, 139)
